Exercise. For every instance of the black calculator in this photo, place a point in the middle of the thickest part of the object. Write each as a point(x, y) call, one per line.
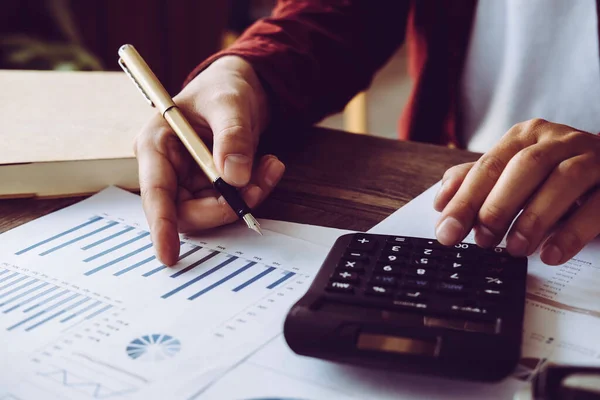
point(414, 305)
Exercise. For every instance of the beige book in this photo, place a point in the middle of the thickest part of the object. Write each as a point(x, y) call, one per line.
point(68, 133)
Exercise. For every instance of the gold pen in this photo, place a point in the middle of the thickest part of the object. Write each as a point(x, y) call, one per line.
point(136, 68)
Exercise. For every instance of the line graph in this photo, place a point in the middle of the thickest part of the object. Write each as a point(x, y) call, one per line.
point(91, 387)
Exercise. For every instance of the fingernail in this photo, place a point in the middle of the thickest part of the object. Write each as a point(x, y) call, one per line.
point(274, 172)
point(517, 244)
point(237, 169)
point(551, 255)
point(484, 237)
point(450, 231)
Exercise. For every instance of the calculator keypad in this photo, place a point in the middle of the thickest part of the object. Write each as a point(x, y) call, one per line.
point(410, 273)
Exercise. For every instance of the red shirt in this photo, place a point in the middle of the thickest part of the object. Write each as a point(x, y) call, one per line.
point(313, 56)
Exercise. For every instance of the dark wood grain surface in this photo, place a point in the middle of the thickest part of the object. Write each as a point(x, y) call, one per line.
point(332, 178)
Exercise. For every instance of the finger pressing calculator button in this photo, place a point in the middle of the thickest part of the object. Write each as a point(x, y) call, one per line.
point(352, 265)
point(345, 276)
point(377, 290)
point(363, 243)
point(340, 287)
point(393, 259)
point(388, 269)
point(356, 255)
point(424, 273)
point(384, 280)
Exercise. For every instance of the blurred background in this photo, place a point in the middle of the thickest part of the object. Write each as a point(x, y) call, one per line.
point(173, 36)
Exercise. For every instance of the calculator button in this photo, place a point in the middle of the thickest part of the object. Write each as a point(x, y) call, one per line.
point(452, 288)
point(410, 304)
point(397, 249)
point(424, 262)
point(377, 290)
point(461, 255)
point(410, 283)
point(411, 295)
point(475, 310)
point(351, 265)
point(356, 255)
point(388, 269)
point(454, 277)
point(393, 259)
point(399, 240)
point(494, 282)
point(363, 243)
point(505, 271)
point(340, 287)
point(424, 273)
point(384, 280)
point(429, 252)
point(458, 266)
point(429, 243)
point(345, 276)
point(492, 296)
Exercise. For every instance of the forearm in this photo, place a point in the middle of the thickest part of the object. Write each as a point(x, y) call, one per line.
point(313, 56)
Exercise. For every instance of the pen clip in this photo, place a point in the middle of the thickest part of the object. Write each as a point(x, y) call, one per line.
point(128, 73)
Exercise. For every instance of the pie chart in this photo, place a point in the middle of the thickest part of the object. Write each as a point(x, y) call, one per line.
point(154, 347)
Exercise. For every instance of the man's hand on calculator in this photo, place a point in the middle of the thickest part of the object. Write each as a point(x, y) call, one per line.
point(548, 170)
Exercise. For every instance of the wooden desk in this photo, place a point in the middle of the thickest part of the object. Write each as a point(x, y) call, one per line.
point(333, 179)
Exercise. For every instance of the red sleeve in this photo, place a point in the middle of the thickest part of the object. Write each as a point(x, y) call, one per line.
point(313, 56)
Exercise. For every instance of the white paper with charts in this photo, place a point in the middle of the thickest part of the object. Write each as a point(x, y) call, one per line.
point(87, 311)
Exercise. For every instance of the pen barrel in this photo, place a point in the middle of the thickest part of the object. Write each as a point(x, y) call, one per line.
point(192, 142)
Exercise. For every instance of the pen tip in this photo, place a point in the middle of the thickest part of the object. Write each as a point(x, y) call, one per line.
point(252, 223)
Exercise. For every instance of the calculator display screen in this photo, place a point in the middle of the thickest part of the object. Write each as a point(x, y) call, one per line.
point(397, 344)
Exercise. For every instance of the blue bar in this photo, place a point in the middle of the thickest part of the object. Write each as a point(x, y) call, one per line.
point(13, 282)
point(77, 239)
point(194, 264)
point(196, 279)
point(8, 277)
point(31, 299)
point(3, 272)
point(281, 280)
point(117, 247)
point(252, 280)
point(41, 303)
point(228, 277)
point(100, 311)
point(134, 266)
point(70, 317)
point(17, 297)
point(119, 259)
point(106, 239)
point(192, 251)
point(60, 303)
point(91, 221)
point(56, 314)
point(18, 288)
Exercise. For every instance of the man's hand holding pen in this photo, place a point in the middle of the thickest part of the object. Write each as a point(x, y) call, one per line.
point(227, 107)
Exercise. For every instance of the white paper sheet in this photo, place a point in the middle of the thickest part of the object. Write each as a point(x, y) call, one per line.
point(86, 303)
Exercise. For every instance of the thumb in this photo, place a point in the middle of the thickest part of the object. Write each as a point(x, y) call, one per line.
point(234, 142)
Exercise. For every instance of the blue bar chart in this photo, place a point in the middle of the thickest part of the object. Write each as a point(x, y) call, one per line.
point(107, 247)
point(29, 304)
